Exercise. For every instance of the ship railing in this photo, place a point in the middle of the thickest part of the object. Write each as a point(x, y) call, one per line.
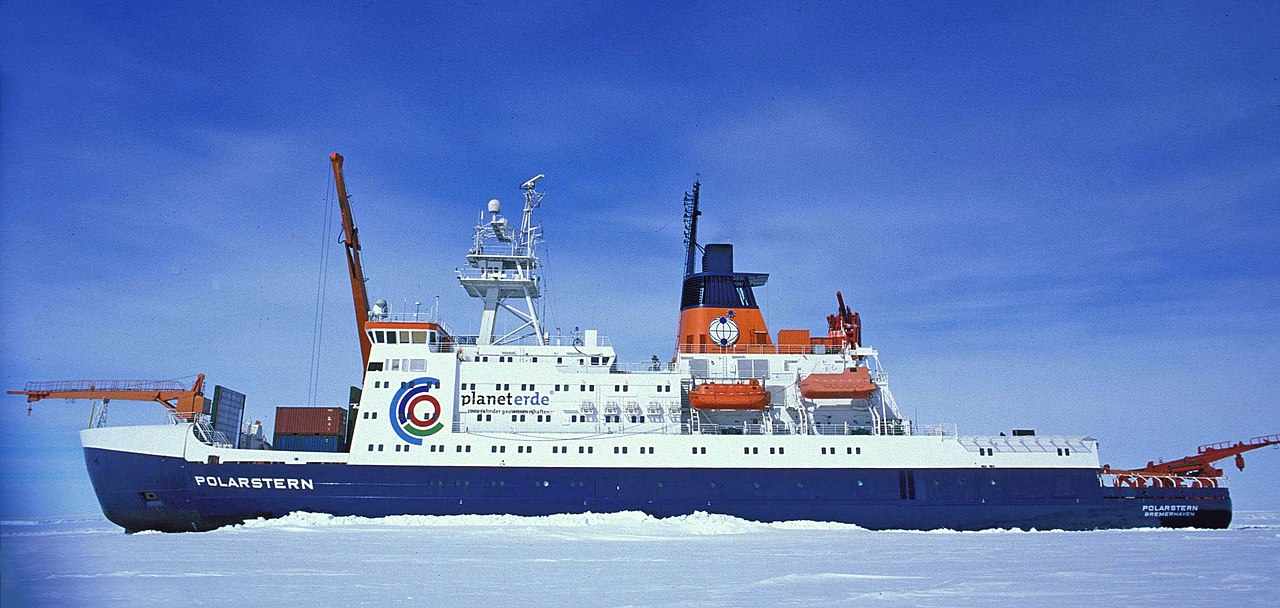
point(106, 385)
point(894, 426)
point(641, 368)
point(411, 317)
point(1139, 480)
point(706, 428)
point(841, 428)
point(529, 340)
point(203, 430)
point(602, 428)
point(759, 349)
point(943, 429)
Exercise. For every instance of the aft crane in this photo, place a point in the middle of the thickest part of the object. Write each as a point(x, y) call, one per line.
point(355, 269)
point(1200, 464)
point(184, 402)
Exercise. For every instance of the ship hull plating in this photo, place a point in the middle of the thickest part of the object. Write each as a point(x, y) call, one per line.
point(145, 492)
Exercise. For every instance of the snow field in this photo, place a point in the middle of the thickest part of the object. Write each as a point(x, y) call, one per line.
point(630, 559)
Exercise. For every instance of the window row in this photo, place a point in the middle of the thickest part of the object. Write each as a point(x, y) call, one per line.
point(506, 359)
point(849, 451)
point(398, 365)
point(402, 336)
point(471, 386)
point(623, 450)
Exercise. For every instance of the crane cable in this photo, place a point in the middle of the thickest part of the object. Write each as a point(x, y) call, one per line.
point(322, 285)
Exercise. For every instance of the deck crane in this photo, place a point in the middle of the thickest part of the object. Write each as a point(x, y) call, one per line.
point(355, 269)
point(184, 402)
point(1201, 463)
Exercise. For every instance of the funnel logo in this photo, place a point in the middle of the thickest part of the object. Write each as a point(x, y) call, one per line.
point(414, 413)
point(723, 331)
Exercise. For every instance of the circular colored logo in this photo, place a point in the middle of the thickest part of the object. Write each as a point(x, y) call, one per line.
point(723, 331)
point(414, 412)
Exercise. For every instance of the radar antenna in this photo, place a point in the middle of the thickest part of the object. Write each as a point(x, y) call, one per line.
point(503, 266)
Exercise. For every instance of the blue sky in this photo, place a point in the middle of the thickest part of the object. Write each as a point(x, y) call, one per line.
point(1062, 216)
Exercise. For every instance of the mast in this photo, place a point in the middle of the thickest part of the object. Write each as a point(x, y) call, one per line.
point(351, 240)
point(691, 214)
point(504, 266)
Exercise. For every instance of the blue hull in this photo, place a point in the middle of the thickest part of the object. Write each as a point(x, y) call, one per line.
point(143, 492)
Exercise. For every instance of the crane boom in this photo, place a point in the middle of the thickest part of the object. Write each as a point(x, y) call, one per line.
point(351, 239)
point(185, 402)
point(1201, 463)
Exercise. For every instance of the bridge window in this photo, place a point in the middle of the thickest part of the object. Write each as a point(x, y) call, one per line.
point(419, 337)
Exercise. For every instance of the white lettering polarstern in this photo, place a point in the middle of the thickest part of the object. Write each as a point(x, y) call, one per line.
point(256, 483)
point(1169, 510)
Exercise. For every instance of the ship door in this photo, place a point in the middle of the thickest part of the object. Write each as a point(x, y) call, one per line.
point(907, 485)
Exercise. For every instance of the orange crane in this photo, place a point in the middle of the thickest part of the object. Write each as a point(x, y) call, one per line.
point(351, 239)
point(183, 401)
point(1201, 463)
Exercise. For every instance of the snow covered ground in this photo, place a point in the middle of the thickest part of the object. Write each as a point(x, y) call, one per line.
point(630, 559)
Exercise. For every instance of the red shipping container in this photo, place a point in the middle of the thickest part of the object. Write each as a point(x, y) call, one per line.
point(311, 421)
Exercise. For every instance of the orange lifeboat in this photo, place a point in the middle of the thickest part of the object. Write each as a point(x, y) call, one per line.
point(853, 383)
point(729, 396)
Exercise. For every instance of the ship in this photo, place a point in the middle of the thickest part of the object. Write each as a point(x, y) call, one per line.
point(520, 420)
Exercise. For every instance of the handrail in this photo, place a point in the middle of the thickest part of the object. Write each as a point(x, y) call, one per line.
point(105, 385)
point(759, 349)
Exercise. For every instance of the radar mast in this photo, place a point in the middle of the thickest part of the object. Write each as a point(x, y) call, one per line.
point(503, 267)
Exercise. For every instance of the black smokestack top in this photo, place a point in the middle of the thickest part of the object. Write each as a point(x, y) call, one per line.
point(718, 258)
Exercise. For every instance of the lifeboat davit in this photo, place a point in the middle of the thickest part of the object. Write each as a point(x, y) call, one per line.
point(853, 383)
point(729, 396)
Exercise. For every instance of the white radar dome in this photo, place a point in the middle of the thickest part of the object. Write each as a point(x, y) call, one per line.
point(495, 206)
